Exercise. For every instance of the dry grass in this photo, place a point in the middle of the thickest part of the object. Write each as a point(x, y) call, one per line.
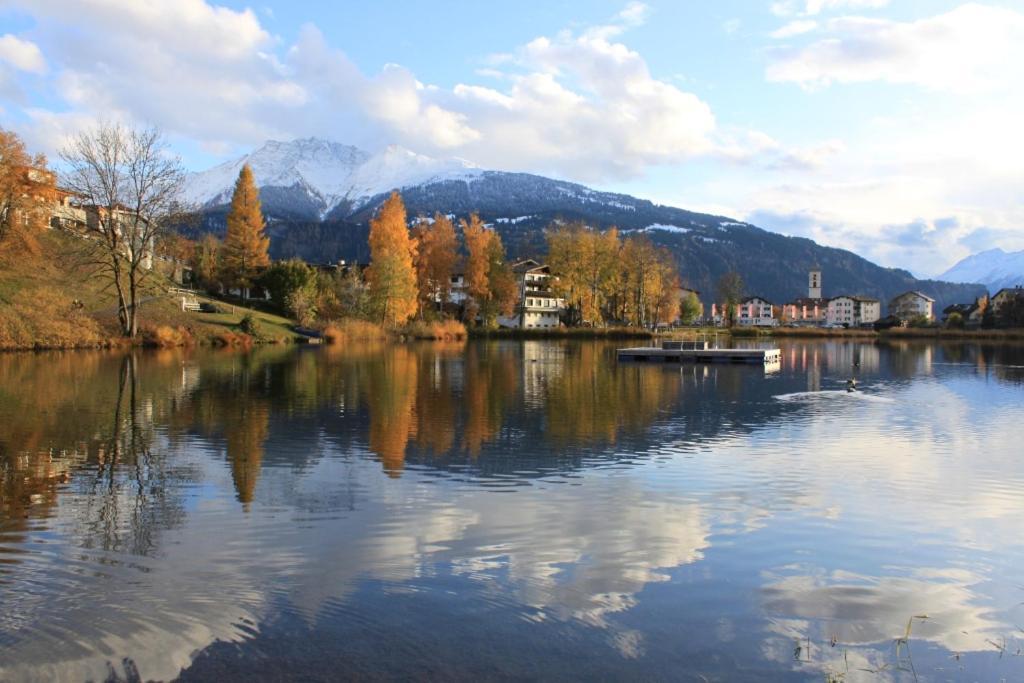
point(45, 318)
point(943, 333)
point(342, 331)
point(165, 336)
point(821, 332)
point(564, 333)
point(445, 330)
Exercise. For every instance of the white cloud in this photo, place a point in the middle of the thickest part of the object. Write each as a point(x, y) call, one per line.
point(23, 55)
point(795, 28)
point(969, 49)
point(787, 8)
point(577, 104)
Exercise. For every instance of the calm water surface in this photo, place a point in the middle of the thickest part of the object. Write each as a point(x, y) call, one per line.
point(512, 510)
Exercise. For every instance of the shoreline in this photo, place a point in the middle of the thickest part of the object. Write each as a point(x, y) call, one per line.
point(238, 339)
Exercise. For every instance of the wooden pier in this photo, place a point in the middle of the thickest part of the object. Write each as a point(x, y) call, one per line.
point(698, 352)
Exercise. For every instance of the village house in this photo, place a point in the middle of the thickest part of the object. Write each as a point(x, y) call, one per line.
point(853, 311)
point(910, 305)
point(971, 314)
point(682, 293)
point(538, 306)
point(756, 311)
point(1004, 296)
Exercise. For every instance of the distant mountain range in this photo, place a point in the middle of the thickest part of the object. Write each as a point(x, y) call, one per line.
point(319, 195)
point(994, 268)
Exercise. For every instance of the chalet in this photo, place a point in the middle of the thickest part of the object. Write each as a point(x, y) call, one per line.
point(910, 305)
point(971, 314)
point(1003, 296)
point(538, 306)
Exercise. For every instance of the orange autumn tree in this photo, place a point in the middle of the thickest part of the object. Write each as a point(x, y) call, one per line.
point(27, 189)
point(436, 254)
point(490, 282)
point(246, 244)
point(391, 275)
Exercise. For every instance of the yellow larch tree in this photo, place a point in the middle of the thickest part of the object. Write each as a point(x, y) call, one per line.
point(391, 275)
point(246, 244)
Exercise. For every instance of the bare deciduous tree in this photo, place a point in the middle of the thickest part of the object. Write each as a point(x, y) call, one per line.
point(128, 183)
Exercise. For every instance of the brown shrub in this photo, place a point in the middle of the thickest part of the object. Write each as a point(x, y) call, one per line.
point(165, 336)
point(229, 338)
point(445, 330)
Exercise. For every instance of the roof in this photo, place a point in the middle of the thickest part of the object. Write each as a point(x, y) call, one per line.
point(963, 309)
point(528, 266)
point(751, 298)
point(865, 299)
point(916, 293)
point(1015, 290)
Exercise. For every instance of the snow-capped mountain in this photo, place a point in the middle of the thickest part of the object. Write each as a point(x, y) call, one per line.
point(993, 268)
point(320, 195)
point(311, 178)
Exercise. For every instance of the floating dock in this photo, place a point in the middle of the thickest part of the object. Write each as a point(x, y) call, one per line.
point(698, 352)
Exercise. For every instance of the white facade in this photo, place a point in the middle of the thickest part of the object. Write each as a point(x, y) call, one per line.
point(756, 312)
point(842, 311)
point(867, 310)
point(911, 305)
point(538, 306)
point(853, 311)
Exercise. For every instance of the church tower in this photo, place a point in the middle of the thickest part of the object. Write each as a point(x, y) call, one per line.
point(814, 283)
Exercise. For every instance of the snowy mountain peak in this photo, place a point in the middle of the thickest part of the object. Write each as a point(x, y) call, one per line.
point(994, 268)
point(323, 174)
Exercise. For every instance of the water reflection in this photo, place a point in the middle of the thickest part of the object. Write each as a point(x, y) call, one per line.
point(640, 520)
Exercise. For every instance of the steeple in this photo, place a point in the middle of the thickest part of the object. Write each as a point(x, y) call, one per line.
point(814, 283)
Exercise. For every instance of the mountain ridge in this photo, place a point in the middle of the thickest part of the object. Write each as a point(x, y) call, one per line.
point(323, 216)
point(994, 268)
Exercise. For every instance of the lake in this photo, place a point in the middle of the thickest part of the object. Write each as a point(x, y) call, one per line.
point(527, 510)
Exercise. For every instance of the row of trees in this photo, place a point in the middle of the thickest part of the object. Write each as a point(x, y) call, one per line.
point(605, 278)
point(409, 275)
point(410, 272)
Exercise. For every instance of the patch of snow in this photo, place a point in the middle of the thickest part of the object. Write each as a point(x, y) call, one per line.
point(726, 224)
point(620, 205)
point(665, 228)
point(709, 240)
point(513, 221)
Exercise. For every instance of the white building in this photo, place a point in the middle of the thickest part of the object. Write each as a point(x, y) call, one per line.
point(538, 306)
point(853, 311)
point(867, 310)
point(841, 311)
point(757, 312)
point(910, 305)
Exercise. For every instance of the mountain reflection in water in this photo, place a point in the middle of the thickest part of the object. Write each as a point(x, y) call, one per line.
point(497, 510)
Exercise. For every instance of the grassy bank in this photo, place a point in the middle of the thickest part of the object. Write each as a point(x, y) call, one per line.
point(49, 300)
point(953, 335)
point(563, 333)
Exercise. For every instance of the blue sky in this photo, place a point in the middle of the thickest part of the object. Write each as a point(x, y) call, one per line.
point(886, 127)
